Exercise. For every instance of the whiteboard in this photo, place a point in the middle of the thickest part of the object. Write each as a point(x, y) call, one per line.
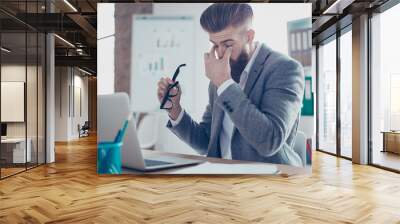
point(159, 45)
point(12, 101)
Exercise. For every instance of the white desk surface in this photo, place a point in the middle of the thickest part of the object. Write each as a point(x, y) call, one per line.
point(284, 170)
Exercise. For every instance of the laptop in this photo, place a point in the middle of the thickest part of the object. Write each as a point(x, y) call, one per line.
point(113, 110)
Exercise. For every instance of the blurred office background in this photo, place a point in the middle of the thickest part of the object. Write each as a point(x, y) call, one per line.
point(48, 82)
point(358, 82)
point(51, 47)
point(126, 57)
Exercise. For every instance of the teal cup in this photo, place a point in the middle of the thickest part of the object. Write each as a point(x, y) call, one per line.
point(109, 157)
point(109, 153)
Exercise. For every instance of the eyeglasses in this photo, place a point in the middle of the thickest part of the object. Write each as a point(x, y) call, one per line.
point(166, 103)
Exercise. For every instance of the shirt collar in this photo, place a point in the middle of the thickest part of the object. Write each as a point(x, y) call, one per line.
point(252, 59)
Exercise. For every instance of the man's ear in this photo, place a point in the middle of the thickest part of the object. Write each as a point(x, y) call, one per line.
point(250, 36)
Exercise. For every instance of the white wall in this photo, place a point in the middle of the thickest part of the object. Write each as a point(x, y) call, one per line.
point(61, 103)
point(66, 121)
point(270, 22)
point(168, 141)
point(105, 44)
point(80, 82)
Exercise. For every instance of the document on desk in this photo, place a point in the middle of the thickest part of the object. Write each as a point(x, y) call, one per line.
point(224, 168)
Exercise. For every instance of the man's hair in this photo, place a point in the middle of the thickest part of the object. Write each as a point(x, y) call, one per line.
point(219, 16)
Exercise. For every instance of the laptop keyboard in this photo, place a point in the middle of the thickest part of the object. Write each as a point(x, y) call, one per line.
point(149, 162)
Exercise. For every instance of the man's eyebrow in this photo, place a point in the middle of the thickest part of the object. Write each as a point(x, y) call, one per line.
point(227, 40)
point(223, 41)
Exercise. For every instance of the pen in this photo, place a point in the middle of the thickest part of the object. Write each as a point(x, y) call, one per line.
point(121, 132)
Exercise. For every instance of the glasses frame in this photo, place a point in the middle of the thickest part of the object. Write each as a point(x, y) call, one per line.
point(167, 96)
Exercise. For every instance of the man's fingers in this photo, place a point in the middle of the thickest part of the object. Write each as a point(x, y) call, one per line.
point(165, 81)
point(161, 89)
point(160, 95)
point(168, 104)
point(227, 53)
point(166, 84)
point(212, 50)
point(210, 54)
point(162, 85)
point(161, 82)
point(174, 91)
point(169, 81)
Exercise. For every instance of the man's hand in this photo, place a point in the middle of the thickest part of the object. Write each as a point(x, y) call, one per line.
point(218, 70)
point(176, 106)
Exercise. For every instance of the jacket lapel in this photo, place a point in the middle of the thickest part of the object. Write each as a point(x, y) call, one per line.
point(255, 70)
point(217, 117)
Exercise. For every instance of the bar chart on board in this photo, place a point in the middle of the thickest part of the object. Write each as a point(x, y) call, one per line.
point(163, 43)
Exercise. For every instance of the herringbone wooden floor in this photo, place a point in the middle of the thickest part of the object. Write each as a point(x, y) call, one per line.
point(70, 191)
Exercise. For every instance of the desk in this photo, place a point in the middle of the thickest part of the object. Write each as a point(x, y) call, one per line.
point(15, 148)
point(285, 170)
point(391, 141)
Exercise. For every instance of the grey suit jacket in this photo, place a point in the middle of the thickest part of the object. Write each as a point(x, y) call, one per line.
point(265, 114)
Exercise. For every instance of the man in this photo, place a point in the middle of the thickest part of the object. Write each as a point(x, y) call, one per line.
point(255, 94)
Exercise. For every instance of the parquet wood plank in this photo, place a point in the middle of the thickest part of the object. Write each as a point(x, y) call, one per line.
point(70, 191)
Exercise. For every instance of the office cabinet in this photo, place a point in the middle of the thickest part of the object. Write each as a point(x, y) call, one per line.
point(391, 142)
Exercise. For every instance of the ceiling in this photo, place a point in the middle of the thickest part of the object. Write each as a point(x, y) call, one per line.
point(76, 22)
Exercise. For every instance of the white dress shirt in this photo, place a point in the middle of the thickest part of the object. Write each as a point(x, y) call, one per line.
point(225, 136)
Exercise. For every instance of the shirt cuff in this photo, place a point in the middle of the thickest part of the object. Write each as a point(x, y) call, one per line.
point(176, 122)
point(224, 85)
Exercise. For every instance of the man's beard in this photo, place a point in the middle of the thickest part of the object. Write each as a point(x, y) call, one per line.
point(238, 65)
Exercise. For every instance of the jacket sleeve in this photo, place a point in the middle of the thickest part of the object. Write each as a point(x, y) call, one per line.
point(267, 127)
point(196, 135)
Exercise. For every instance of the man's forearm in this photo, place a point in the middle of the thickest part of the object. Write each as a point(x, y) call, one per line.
point(193, 133)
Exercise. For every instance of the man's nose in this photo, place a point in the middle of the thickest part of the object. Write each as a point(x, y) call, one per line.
point(220, 52)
